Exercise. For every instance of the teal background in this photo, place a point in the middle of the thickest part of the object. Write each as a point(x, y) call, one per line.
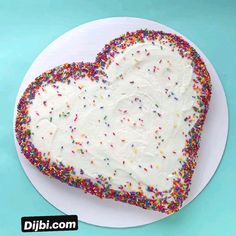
point(27, 27)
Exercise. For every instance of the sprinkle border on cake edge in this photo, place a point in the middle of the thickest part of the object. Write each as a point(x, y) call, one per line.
point(181, 185)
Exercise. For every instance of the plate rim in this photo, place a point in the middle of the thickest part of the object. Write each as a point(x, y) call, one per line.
point(205, 59)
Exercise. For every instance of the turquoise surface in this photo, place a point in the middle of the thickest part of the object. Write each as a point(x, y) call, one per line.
point(27, 27)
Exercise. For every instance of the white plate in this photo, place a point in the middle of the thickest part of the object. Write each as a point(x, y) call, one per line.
point(82, 44)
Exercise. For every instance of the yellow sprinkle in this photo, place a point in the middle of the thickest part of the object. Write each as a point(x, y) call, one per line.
point(135, 151)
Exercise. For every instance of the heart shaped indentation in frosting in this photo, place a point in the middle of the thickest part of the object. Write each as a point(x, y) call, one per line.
point(126, 127)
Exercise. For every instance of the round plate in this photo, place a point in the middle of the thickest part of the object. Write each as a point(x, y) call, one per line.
point(82, 44)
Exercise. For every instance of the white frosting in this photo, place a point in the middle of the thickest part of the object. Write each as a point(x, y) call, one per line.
point(130, 128)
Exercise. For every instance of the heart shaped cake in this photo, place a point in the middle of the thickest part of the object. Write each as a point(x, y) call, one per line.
point(126, 127)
